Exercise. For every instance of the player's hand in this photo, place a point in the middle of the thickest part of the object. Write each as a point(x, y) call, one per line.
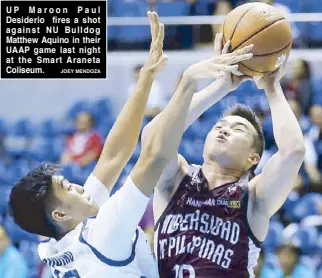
point(220, 65)
point(268, 82)
point(230, 80)
point(156, 60)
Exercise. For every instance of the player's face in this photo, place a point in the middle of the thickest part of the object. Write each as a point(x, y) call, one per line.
point(83, 122)
point(230, 142)
point(72, 201)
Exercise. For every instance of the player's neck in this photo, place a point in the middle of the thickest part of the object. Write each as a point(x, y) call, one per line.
point(65, 230)
point(217, 175)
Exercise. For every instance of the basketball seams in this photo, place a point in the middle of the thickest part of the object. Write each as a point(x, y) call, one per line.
point(263, 72)
point(260, 30)
point(232, 35)
point(271, 53)
point(242, 29)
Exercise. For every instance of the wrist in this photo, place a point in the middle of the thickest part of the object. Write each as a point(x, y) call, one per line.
point(272, 87)
point(187, 84)
point(147, 69)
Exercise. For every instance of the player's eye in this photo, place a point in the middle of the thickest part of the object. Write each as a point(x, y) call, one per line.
point(218, 127)
point(239, 129)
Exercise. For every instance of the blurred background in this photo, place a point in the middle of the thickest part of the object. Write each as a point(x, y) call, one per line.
point(66, 121)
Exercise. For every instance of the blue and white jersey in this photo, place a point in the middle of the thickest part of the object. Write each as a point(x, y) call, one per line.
point(108, 245)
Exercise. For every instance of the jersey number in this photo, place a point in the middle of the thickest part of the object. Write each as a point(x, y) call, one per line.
point(69, 274)
point(184, 268)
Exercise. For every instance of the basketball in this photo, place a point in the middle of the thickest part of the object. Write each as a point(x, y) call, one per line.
point(265, 27)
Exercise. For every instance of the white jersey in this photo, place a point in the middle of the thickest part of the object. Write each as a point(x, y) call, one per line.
point(108, 245)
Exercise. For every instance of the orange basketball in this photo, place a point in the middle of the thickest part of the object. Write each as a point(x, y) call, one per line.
point(265, 27)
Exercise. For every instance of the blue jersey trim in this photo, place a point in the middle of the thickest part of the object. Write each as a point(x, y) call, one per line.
point(104, 259)
point(45, 240)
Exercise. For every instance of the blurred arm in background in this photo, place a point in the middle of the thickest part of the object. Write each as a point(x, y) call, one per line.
point(310, 161)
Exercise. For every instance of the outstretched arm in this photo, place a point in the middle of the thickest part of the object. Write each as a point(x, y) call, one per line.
point(158, 148)
point(163, 135)
point(213, 93)
point(202, 101)
point(123, 137)
point(126, 207)
point(279, 174)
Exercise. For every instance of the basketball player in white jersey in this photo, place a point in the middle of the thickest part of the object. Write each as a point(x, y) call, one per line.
point(211, 219)
point(91, 235)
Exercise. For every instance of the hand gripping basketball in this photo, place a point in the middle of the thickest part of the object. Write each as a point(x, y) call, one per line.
point(267, 82)
point(230, 80)
point(220, 64)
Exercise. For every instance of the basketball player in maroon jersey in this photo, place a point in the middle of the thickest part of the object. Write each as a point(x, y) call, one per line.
point(211, 219)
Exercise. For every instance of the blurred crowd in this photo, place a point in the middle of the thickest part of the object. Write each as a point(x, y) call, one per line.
point(305, 34)
point(293, 246)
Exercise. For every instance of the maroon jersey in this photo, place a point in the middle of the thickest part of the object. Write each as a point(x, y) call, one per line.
point(204, 233)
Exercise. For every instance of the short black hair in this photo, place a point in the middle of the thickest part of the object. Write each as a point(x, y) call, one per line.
point(29, 198)
point(247, 113)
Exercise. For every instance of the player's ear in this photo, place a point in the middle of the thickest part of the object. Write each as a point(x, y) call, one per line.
point(60, 216)
point(253, 159)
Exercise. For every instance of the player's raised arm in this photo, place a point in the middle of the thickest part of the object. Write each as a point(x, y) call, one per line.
point(214, 92)
point(202, 101)
point(123, 137)
point(279, 174)
point(162, 136)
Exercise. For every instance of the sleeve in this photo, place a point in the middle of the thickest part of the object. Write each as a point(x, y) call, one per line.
point(97, 190)
point(112, 231)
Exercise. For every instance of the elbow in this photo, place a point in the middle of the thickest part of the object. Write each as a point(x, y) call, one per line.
point(297, 153)
point(156, 154)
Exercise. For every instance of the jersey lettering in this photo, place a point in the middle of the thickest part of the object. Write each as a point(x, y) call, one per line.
point(181, 270)
point(204, 232)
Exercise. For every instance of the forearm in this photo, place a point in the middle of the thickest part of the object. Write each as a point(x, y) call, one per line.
point(287, 131)
point(166, 130)
point(123, 137)
point(203, 100)
point(164, 136)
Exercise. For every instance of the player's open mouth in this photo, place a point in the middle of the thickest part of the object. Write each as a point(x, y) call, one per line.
point(221, 138)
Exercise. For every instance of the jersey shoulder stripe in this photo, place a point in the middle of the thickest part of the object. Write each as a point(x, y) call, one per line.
point(104, 259)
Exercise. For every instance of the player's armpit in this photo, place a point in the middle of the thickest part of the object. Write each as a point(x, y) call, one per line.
point(168, 184)
point(114, 227)
point(277, 180)
point(173, 173)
